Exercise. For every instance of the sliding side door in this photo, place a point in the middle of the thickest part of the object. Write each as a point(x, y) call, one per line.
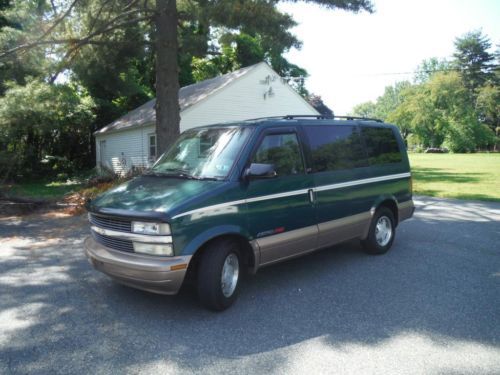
point(339, 166)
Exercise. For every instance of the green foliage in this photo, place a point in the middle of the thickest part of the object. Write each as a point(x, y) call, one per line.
point(39, 120)
point(429, 67)
point(453, 104)
point(18, 20)
point(473, 59)
point(68, 68)
point(488, 105)
point(385, 104)
point(366, 109)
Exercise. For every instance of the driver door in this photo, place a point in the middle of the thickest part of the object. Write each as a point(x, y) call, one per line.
point(281, 213)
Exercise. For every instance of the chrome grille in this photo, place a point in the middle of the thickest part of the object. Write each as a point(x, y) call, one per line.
point(108, 223)
point(113, 242)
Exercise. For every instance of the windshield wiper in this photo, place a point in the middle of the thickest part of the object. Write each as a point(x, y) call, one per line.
point(171, 172)
point(181, 173)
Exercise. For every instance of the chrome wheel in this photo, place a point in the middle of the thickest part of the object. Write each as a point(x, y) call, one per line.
point(383, 231)
point(230, 274)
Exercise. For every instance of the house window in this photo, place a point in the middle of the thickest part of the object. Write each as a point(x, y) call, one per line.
point(102, 152)
point(152, 146)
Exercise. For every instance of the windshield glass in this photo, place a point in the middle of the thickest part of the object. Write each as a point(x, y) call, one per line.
point(203, 153)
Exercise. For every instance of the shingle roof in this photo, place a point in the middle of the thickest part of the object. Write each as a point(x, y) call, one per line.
point(188, 96)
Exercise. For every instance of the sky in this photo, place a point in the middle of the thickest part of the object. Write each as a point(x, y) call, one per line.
point(351, 57)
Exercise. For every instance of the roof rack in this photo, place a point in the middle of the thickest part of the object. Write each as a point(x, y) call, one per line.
point(318, 117)
point(331, 117)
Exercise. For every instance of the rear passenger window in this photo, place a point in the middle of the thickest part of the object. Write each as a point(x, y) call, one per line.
point(283, 151)
point(381, 146)
point(335, 147)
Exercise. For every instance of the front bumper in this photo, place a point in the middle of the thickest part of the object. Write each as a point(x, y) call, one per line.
point(154, 274)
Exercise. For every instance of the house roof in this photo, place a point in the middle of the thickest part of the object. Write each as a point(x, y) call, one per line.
point(188, 96)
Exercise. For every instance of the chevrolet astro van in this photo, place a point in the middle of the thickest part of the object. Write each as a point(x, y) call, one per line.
point(234, 197)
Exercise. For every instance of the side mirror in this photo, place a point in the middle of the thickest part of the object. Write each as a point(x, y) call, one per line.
point(256, 171)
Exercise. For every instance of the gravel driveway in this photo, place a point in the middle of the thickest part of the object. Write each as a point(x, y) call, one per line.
point(430, 305)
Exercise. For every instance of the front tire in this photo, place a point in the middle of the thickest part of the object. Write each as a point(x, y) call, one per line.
point(219, 273)
point(381, 234)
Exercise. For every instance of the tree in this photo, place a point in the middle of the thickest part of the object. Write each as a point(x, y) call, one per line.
point(439, 113)
point(384, 104)
point(39, 120)
point(170, 31)
point(167, 76)
point(391, 99)
point(429, 67)
point(366, 109)
point(473, 60)
point(319, 105)
point(488, 107)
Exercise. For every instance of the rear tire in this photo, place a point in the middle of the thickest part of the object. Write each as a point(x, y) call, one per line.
point(381, 234)
point(219, 273)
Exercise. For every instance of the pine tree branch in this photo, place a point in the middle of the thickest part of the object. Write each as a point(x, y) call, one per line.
point(59, 20)
point(77, 42)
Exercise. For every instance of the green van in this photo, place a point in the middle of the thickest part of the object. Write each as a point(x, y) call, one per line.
point(235, 197)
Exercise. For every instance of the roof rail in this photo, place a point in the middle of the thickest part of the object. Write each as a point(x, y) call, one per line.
point(331, 117)
point(318, 117)
point(360, 118)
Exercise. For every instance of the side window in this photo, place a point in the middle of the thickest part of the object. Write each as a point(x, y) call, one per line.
point(102, 152)
point(152, 147)
point(335, 147)
point(283, 151)
point(381, 145)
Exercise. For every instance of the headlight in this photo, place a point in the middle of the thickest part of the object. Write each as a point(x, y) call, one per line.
point(150, 228)
point(153, 249)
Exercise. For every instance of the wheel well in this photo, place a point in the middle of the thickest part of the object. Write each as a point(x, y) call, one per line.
point(246, 253)
point(391, 205)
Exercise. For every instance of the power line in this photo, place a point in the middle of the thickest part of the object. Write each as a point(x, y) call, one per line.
point(414, 72)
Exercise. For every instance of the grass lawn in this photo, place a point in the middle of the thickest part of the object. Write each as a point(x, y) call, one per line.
point(463, 176)
point(40, 189)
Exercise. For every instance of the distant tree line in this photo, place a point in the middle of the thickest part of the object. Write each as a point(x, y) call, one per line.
point(451, 103)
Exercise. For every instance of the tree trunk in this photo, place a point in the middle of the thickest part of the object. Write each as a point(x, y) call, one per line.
point(167, 75)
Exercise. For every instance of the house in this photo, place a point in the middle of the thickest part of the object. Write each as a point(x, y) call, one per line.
point(251, 92)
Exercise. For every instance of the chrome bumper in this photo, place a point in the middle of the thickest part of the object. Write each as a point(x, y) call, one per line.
point(154, 274)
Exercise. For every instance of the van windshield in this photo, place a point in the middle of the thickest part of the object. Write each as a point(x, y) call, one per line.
point(203, 153)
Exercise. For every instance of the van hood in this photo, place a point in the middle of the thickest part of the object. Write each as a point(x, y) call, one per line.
point(151, 196)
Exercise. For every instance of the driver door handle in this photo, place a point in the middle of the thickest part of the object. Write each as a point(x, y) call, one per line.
point(311, 195)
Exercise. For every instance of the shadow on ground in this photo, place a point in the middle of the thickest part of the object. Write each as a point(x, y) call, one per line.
point(441, 280)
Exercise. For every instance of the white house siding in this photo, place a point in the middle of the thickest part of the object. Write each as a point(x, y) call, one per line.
point(125, 149)
point(244, 99)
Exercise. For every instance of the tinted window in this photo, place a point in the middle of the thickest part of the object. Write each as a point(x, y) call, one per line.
point(381, 145)
point(335, 147)
point(283, 151)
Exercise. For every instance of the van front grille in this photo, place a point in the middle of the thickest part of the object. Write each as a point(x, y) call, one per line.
point(113, 242)
point(120, 225)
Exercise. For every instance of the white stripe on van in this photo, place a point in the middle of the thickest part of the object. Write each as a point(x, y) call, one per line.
point(362, 182)
point(295, 192)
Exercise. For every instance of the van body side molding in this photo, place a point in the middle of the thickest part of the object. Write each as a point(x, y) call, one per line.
point(297, 242)
point(296, 192)
point(362, 182)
